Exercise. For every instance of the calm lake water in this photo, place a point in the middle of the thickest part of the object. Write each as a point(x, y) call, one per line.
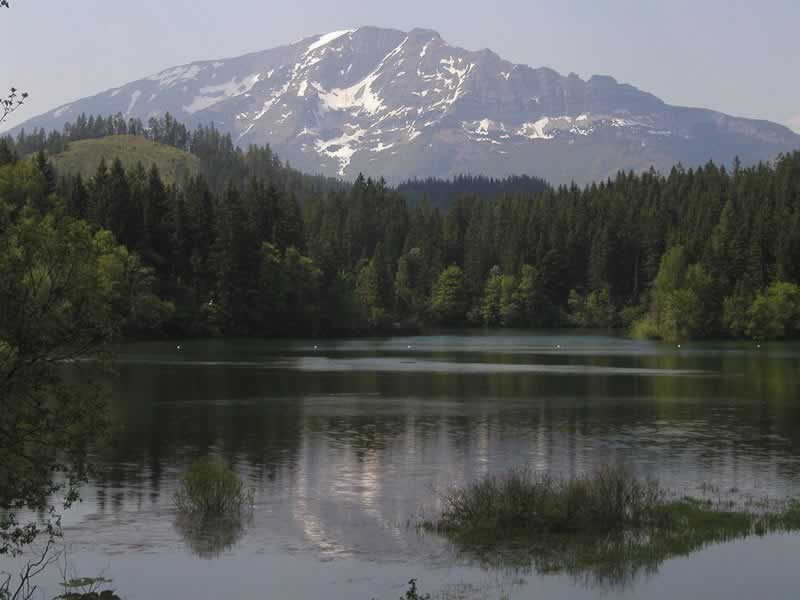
point(347, 443)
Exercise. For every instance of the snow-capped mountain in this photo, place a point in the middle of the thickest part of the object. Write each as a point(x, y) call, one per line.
point(397, 104)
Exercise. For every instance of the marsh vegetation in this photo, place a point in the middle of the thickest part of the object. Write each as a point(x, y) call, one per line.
point(607, 526)
point(210, 488)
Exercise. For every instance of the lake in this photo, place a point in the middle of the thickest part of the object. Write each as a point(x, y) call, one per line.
point(348, 443)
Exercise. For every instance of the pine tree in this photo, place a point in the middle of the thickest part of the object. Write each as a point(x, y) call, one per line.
point(78, 200)
point(156, 219)
point(7, 154)
point(237, 261)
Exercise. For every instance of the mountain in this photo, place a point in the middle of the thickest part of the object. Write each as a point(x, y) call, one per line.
point(402, 105)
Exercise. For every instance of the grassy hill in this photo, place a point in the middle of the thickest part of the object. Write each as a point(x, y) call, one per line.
point(84, 156)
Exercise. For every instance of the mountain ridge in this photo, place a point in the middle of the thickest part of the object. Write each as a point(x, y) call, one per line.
point(407, 104)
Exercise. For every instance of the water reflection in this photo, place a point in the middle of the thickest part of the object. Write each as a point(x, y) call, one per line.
point(348, 444)
point(210, 537)
point(613, 563)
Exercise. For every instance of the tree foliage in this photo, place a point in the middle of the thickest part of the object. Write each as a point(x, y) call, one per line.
point(66, 290)
point(683, 255)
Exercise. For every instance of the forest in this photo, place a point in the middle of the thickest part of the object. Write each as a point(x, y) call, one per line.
point(251, 247)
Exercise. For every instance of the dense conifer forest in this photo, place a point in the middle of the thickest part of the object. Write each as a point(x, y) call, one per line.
point(441, 192)
point(252, 247)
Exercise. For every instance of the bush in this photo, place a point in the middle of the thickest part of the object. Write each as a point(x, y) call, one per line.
point(645, 328)
point(609, 526)
point(449, 301)
point(211, 488)
point(521, 505)
point(413, 594)
point(593, 310)
point(775, 313)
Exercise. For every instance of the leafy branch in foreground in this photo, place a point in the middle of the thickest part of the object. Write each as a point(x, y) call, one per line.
point(54, 308)
point(61, 291)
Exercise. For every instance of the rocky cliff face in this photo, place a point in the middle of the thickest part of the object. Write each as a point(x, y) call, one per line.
point(397, 104)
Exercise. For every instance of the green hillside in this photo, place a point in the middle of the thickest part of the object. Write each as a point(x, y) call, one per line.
point(84, 156)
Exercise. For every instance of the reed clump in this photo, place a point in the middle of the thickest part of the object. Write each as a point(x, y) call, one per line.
point(523, 504)
point(608, 525)
point(210, 488)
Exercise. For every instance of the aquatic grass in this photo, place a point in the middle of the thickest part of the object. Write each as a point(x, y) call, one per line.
point(521, 504)
point(210, 488)
point(608, 526)
point(87, 588)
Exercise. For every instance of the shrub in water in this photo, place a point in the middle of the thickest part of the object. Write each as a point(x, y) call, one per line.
point(611, 499)
point(413, 594)
point(608, 526)
point(210, 488)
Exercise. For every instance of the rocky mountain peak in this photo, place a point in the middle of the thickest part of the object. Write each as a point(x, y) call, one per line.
point(403, 104)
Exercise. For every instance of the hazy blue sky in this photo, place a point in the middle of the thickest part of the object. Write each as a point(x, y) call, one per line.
point(737, 56)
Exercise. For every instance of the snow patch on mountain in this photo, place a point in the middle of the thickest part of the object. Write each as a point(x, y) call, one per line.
point(246, 131)
point(61, 111)
point(214, 94)
point(341, 148)
point(170, 77)
point(134, 99)
point(481, 127)
point(536, 130)
point(361, 95)
point(276, 95)
point(381, 147)
point(326, 39)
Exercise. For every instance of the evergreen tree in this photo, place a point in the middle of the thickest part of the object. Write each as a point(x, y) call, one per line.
point(7, 154)
point(78, 200)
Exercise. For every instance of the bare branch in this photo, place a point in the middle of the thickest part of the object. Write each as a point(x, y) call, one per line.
point(25, 589)
point(15, 99)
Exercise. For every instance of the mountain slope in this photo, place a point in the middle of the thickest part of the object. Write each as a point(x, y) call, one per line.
point(399, 104)
point(82, 157)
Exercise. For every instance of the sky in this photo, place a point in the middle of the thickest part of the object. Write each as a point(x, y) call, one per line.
point(735, 56)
